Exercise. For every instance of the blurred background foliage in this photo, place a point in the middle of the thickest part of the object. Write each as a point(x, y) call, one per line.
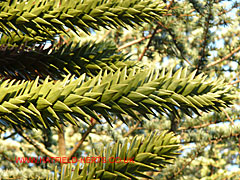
point(203, 35)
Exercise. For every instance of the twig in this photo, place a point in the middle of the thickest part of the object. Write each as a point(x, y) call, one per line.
point(7, 158)
point(211, 141)
point(137, 41)
point(205, 42)
point(35, 144)
point(196, 127)
point(149, 43)
point(225, 112)
point(224, 58)
point(153, 34)
point(175, 42)
point(184, 165)
point(203, 125)
point(148, 36)
point(11, 135)
point(195, 7)
point(170, 4)
point(131, 130)
point(226, 11)
point(94, 122)
point(214, 140)
point(235, 82)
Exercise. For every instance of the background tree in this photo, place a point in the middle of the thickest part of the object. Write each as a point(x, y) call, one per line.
point(46, 43)
point(205, 36)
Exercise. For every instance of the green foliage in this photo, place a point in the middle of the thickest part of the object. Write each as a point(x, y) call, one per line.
point(44, 19)
point(121, 92)
point(26, 62)
point(79, 82)
point(146, 154)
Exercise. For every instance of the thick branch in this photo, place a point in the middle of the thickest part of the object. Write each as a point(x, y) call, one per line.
point(61, 142)
point(224, 58)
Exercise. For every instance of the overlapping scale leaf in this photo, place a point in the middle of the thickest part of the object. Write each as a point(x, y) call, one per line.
point(129, 160)
point(70, 172)
point(139, 155)
point(132, 92)
point(50, 17)
point(23, 62)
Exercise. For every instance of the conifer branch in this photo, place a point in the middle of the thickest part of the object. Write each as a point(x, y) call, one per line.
point(48, 18)
point(57, 61)
point(119, 93)
point(149, 153)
